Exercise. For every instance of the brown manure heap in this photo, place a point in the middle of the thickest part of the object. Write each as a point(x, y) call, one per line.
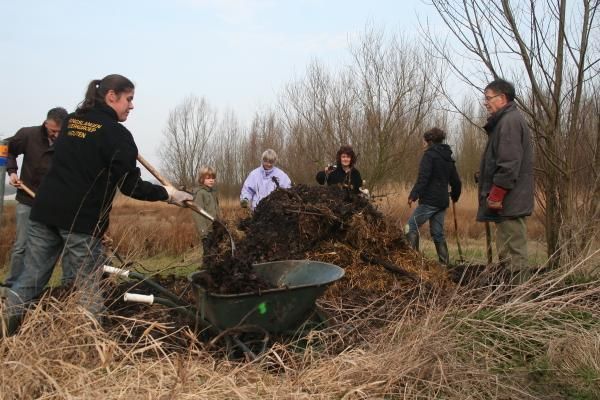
point(323, 223)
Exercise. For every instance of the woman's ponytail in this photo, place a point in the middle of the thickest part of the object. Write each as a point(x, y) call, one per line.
point(90, 96)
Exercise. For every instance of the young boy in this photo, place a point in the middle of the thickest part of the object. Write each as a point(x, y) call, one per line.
point(206, 198)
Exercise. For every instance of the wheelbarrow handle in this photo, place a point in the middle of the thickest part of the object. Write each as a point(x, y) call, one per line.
point(115, 271)
point(187, 311)
point(139, 298)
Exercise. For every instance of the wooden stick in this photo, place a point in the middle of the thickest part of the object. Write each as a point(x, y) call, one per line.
point(27, 190)
point(165, 182)
point(460, 254)
point(153, 171)
point(488, 242)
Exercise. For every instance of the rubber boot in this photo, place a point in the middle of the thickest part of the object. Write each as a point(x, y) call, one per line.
point(9, 324)
point(413, 240)
point(442, 251)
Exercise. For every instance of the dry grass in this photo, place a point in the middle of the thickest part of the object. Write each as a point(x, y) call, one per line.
point(388, 339)
point(541, 340)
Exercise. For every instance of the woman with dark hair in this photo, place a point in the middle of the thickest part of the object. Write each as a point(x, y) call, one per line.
point(436, 172)
point(343, 173)
point(94, 156)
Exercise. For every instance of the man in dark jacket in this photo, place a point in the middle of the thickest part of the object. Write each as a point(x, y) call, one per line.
point(36, 144)
point(436, 171)
point(506, 177)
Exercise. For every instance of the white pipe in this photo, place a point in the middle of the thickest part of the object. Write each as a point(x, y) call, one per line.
point(115, 271)
point(139, 298)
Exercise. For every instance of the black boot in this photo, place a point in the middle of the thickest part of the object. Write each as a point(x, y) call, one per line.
point(442, 251)
point(413, 240)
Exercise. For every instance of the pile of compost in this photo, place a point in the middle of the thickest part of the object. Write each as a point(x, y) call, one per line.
point(292, 224)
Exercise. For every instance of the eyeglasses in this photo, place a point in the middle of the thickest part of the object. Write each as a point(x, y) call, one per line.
point(489, 98)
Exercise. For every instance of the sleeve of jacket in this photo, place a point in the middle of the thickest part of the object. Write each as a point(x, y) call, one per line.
point(127, 175)
point(425, 168)
point(286, 182)
point(509, 152)
point(16, 146)
point(455, 184)
point(321, 177)
point(356, 180)
point(247, 190)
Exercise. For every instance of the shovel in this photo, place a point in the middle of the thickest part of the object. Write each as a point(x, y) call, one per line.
point(188, 204)
point(488, 242)
point(460, 253)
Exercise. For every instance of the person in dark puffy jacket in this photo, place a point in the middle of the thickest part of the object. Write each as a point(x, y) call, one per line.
point(436, 172)
point(344, 173)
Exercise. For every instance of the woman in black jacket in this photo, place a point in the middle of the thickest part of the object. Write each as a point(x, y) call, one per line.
point(343, 173)
point(436, 171)
point(94, 156)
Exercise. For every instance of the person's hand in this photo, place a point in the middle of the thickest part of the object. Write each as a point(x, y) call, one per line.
point(496, 197)
point(177, 197)
point(107, 241)
point(244, 203)
point(14, 180)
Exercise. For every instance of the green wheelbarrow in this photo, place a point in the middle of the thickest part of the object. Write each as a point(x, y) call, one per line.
point(298, 284)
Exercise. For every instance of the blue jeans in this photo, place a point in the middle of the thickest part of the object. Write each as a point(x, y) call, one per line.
point(17, 257)
point(434, 215)
point(81, 253)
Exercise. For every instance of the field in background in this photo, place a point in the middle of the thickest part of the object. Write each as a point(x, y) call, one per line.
point(143, 230)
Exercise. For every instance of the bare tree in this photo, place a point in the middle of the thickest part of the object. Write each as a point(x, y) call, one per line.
point(185, 147)
point(380, 105)
point(471, 143)
point(396, 101)
point(317, 112)
point(227, 153)
point(266, 131)
point(547, 49)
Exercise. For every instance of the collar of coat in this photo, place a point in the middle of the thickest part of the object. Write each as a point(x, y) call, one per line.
point(495, 117)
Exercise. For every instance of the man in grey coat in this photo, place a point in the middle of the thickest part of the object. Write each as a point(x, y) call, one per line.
point(506, 186)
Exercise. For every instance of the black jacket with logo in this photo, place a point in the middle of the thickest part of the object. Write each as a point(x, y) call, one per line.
point(436, 171)
point(32, 142)
point(94, 155)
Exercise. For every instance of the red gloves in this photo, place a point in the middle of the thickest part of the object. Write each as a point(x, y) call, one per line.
point(495, 198)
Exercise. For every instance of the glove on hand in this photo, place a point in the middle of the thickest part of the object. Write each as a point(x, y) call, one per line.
point(244, 203)
point(178, 197)
point(495, 198)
